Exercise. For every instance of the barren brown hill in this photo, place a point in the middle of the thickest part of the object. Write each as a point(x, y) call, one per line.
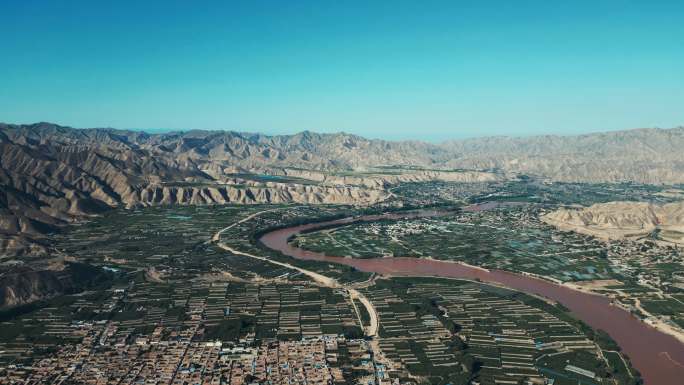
point(51, 175)
point(617, 220)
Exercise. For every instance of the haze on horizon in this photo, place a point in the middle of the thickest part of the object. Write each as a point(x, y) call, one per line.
point(431, 70)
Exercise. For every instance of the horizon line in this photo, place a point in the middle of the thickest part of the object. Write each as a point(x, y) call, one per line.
point(162, 131)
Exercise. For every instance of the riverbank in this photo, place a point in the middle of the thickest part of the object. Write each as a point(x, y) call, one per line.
point(646, 346)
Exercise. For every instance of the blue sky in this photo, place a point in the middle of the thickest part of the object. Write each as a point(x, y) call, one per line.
point(429, 70)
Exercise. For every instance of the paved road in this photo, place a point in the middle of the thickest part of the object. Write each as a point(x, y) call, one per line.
point(370, 331)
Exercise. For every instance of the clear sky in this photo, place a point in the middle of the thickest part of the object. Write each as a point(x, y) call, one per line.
point(396, 69)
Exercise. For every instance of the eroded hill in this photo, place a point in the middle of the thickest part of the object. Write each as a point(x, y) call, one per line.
point(617, 220)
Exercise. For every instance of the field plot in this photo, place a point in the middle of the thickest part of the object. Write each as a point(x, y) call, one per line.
point(244, 236)
point(268, 312)
point(168, 302)
point(168, 242)
point(565, 193)
point(227, 328)
point(440, 193)
point(450, 331)
point(508, 238)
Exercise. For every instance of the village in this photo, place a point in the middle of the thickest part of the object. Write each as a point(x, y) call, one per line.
point(177, 305)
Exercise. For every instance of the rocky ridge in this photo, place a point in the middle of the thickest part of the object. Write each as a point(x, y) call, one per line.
point(51, 175)
point(20, 285)
point(378, 180)
point(617, 220)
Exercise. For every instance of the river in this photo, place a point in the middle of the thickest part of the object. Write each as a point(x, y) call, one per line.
point(658, 356)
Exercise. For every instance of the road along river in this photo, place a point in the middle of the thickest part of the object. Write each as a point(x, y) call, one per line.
point(658, 356)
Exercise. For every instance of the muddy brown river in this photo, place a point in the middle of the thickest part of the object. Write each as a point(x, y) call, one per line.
point(658, 356)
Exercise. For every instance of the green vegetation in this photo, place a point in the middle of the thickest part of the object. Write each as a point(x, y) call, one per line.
point(495, 328)
point(154, 271)
point(476, 238)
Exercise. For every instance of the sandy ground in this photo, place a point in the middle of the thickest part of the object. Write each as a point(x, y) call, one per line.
point(458, 263)
point(372, 329)
point(599, 283)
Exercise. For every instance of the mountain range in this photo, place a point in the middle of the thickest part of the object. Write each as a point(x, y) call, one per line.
point(51, 175)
